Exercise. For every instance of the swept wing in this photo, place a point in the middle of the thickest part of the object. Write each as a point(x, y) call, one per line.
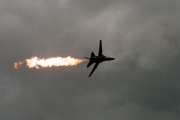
point(95, 66)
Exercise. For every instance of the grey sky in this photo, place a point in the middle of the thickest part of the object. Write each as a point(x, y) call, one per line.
point(142, 83)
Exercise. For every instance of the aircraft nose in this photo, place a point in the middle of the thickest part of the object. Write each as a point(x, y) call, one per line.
point(112, 58)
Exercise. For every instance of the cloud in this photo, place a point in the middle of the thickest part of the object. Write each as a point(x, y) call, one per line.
point(142, 82)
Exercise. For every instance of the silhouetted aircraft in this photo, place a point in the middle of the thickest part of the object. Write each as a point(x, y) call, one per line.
point(97, 59)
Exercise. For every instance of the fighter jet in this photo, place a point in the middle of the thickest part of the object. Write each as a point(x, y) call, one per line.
point(97, 59)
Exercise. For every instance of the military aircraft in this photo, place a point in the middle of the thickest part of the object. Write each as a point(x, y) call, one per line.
point(97, 59)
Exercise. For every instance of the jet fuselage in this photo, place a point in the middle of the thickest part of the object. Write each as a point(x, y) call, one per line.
point(97, 59)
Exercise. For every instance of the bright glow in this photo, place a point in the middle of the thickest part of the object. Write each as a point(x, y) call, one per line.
point(36, 62)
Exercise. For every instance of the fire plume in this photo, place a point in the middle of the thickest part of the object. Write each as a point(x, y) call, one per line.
point(35, 62)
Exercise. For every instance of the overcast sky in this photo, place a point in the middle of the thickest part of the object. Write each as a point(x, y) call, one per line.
point(142, 83)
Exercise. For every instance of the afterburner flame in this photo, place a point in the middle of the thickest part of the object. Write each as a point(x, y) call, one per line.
point(36, 62)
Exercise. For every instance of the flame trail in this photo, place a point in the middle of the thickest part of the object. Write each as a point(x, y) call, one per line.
point(35, 62)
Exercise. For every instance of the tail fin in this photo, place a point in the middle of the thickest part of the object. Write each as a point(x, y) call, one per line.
point(100, 48)
point(92, 54)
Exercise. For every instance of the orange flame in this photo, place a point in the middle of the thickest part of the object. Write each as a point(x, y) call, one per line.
point(36, 62)
point(17, 64)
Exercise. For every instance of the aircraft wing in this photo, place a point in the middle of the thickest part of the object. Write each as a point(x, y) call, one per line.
point(95, 66)
point(100, 48)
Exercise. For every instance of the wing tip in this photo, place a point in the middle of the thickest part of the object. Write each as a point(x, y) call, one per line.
point(89, 75)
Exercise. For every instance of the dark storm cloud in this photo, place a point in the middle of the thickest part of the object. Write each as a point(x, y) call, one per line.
point(142, 83)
